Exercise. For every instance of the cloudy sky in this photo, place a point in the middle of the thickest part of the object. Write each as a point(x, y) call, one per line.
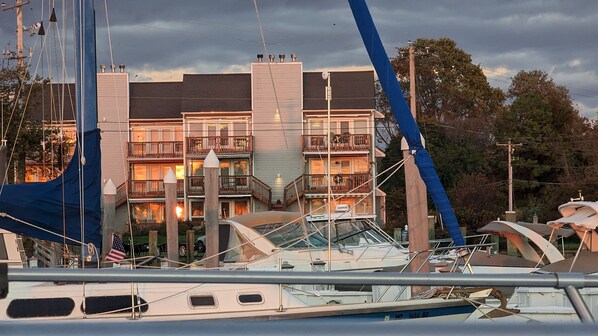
point(161, 40)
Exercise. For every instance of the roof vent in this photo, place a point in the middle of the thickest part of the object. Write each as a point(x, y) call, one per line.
point(281, 58)
point(103, 68)
point(121, 68)
point(260, 58)
point(293, 57)
point(112, 67)
point(271, 57)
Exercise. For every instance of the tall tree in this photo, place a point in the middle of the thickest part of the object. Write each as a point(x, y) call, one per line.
point(455, 109)
point(552, 162)
point(448, 85)
point(23, 135)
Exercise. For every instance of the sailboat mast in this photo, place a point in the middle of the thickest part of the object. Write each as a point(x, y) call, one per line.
point(326, 76)
point(85, 65)
point(86, 88)
point(402, 113)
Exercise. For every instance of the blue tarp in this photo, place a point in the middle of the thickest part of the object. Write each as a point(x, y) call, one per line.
point(402, 114)
point(55, 205)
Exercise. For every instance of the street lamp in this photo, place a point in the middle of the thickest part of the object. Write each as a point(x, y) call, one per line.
point(326, 77)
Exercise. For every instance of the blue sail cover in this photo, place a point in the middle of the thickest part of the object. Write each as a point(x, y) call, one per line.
point(402, 114)
point(55, 206)
point(54, 209)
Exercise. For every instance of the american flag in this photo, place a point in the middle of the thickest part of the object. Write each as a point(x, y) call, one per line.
point(117, 253)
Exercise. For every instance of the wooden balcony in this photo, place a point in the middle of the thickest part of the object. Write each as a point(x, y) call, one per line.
point(220, 145)
point(155, 149)
point(232, 185)
point(341, 183)
point(152, 188)
point(338, 143)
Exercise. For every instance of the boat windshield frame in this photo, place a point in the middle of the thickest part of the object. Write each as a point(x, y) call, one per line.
point(292, 235)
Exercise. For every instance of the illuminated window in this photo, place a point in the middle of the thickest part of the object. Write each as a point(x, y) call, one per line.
point(241, 207)
point(197, 209)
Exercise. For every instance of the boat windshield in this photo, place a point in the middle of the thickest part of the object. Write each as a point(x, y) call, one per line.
point(291, 235)
point(352, 232)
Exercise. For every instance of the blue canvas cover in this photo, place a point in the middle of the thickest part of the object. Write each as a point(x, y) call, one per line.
point(54, 206)
point(402, 114)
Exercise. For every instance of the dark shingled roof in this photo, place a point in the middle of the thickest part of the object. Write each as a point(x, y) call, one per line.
point(218, 92)
point(350, 90)
point(155, 100)
point(214, 92)
point(52, 104)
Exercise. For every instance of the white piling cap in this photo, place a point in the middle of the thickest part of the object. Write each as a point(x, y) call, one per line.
point(211, 160)
point(405, 145)
point(109, 188)
point(170, 177)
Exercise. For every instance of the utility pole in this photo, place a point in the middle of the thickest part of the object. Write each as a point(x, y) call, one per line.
point(416, 194)
point(510, 149)
point(18, 7)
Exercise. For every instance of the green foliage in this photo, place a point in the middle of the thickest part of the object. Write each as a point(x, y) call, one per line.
point(22, 133)
point(462, 118)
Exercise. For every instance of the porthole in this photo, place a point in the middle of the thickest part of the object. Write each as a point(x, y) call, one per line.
point(202, 301)
point(251, 298)
point(51, 307)
point(113, 304)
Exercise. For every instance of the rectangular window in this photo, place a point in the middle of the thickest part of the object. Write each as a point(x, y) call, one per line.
point(363, 207)
point(241, 208)
point(316, 166)
point(361, 166)
point(224, 134)
point(224, 210)
point(202, 301)
point(316, 127)
point(196, 168)
point(344, 127)
point(318, 206)
point(240, 167)
point(240, 128)
point(178, 134)
point(139, 173)
point(180, 172)
point(360, 127)
point(197, 209)
point(195, 129)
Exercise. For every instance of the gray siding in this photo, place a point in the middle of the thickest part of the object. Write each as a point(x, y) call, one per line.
point(277, 147)
point(113, 111)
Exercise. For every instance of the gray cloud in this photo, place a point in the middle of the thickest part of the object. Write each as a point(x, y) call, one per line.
point(154, 38)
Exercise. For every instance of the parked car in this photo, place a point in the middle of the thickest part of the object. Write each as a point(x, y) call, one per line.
point(200, 244)
point(199, 247)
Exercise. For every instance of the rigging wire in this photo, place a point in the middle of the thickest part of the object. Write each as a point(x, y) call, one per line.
point(278, 112)
point(120, 129)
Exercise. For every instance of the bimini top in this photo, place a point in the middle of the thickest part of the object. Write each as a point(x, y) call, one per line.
point(579, 215)
point(253, 219)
